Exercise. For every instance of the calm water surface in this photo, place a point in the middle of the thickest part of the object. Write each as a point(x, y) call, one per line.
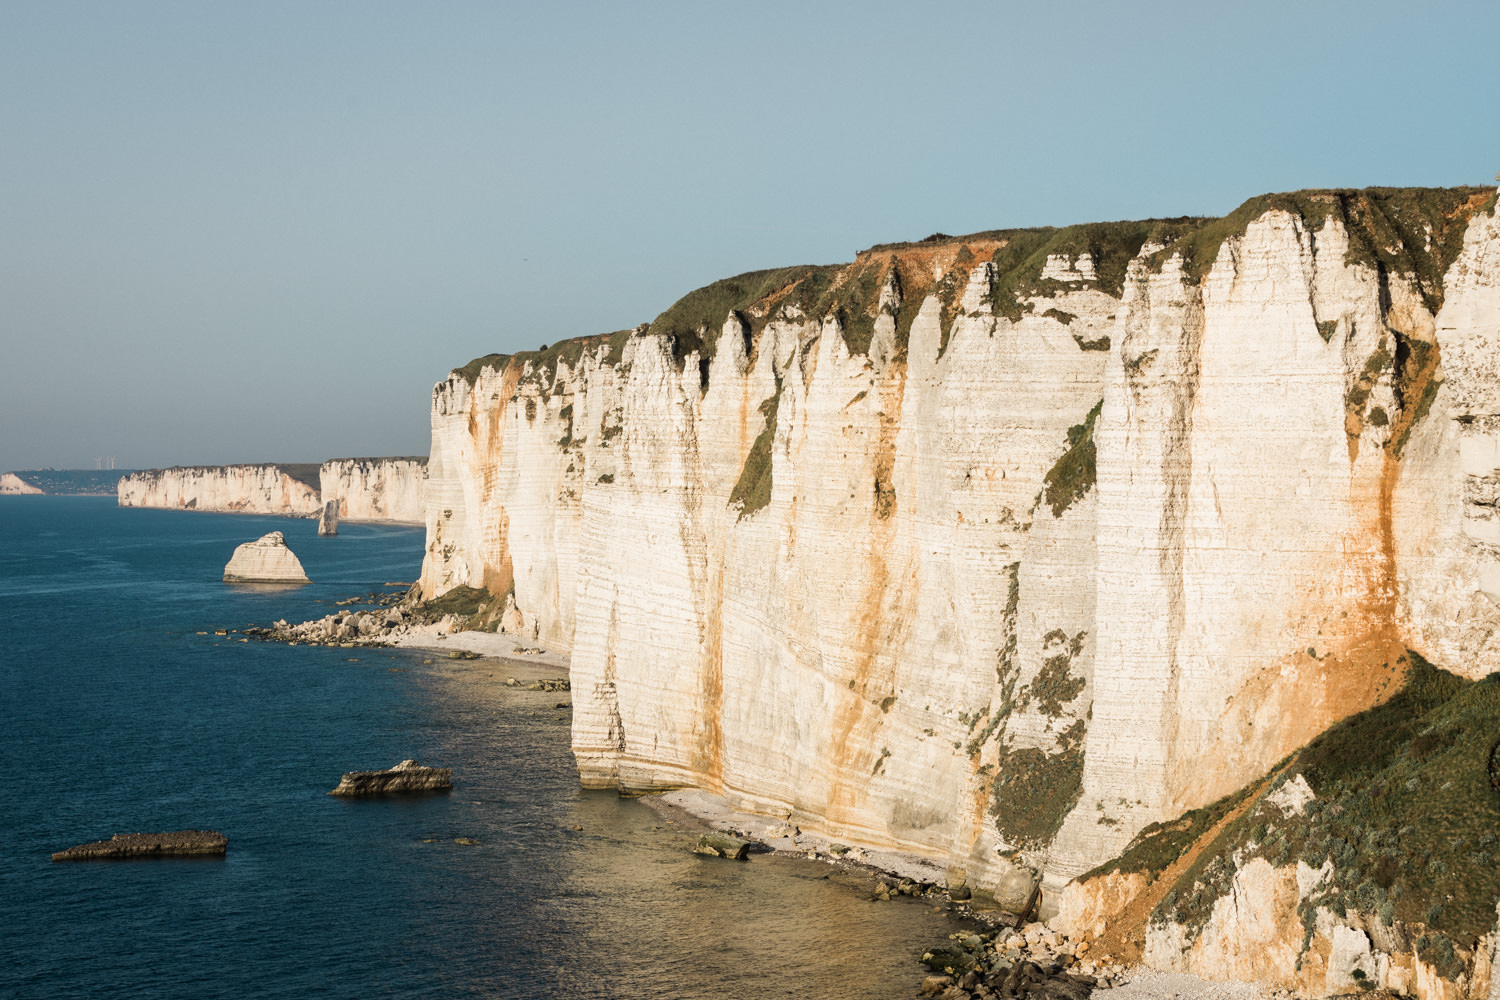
point(119, 717)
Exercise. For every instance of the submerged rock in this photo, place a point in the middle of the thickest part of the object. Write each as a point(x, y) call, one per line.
point(176, 843)
point(265, 560)
point(405, 778)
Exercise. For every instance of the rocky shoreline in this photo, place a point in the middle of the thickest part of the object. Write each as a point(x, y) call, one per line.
point(1001, 956)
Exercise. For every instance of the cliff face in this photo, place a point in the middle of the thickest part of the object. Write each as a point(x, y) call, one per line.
point(1001, 548)
point(13, 485)
point(244, 489)
point(376, 489)
point(368, 489)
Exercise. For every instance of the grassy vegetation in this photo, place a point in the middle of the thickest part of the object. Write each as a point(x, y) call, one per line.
point(470, 372)
point(545, 359)
point(1160, 844)
point(694, 321)
point(306, 473)
point(1415, 231)
point(1054, 686)
point(1407, 810)
point(477, 609)
point(1034, 790)
point(1073, 475)
point(752, 491)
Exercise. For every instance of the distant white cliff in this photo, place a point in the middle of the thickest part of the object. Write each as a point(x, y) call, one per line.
point(13, 485)
point(367, 489)
point(376, 489)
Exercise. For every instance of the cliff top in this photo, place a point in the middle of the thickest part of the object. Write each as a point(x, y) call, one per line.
point(306, 473)
point(419, 459)
point(1412, 231)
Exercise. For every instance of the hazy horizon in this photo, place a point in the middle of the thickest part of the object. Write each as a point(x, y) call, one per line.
point(256, 234)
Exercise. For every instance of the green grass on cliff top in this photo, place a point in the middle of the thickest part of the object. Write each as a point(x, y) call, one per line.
point(1411, 231)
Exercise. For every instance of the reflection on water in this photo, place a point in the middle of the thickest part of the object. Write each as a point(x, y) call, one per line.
point(622, 908)
point(127, 718)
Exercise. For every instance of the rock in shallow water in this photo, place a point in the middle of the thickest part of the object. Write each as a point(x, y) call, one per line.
point(265, 560)
point(721, 845)
point(177, 843)
point(405, 778)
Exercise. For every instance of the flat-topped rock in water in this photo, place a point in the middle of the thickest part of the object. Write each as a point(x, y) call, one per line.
point(175, 843)
point(265, 560)
point(407, 777)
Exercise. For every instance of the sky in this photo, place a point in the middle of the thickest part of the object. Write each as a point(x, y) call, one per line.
point(262, 231)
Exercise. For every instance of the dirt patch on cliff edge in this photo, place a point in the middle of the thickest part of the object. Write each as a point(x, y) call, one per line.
point(1124, 938)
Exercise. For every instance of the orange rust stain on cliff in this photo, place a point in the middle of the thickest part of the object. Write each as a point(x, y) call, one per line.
point(930, 257)
point(1292, 700)
point(709, 751)
point(487, 421)
point(871, 691)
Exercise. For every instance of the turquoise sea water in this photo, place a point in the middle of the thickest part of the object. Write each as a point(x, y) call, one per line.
point(118, 716)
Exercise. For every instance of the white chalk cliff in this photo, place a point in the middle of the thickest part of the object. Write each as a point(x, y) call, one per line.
point(376, 489)
point(366, 489)
point(288, 490)
point(265, 560)
point(13, 485)
point(1001, 548)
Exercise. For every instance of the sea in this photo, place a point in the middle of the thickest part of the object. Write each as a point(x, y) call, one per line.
point(123, 710)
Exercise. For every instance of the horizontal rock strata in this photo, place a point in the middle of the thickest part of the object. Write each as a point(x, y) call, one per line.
point(406, 778)
point(177, 843)
point(375, 489)
point(288, 490)
point(265, 560)
point(363, 489)
point(1001, 548)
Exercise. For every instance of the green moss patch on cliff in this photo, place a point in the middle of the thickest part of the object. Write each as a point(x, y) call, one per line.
point(1034, 790)
point(752, 491)
point(1073, 475)
point(1054, 685)
point(1407, 810)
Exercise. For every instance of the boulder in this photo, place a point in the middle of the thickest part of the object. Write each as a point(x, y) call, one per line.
point(265, 560)
point(406, 778)
point(722, 845)
point(177, 843)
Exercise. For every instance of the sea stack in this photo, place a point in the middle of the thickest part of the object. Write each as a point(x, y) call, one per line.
point(265, 560)
point(328, 524)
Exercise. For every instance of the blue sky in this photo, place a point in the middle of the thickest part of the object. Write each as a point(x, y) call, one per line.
point(255, 232)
